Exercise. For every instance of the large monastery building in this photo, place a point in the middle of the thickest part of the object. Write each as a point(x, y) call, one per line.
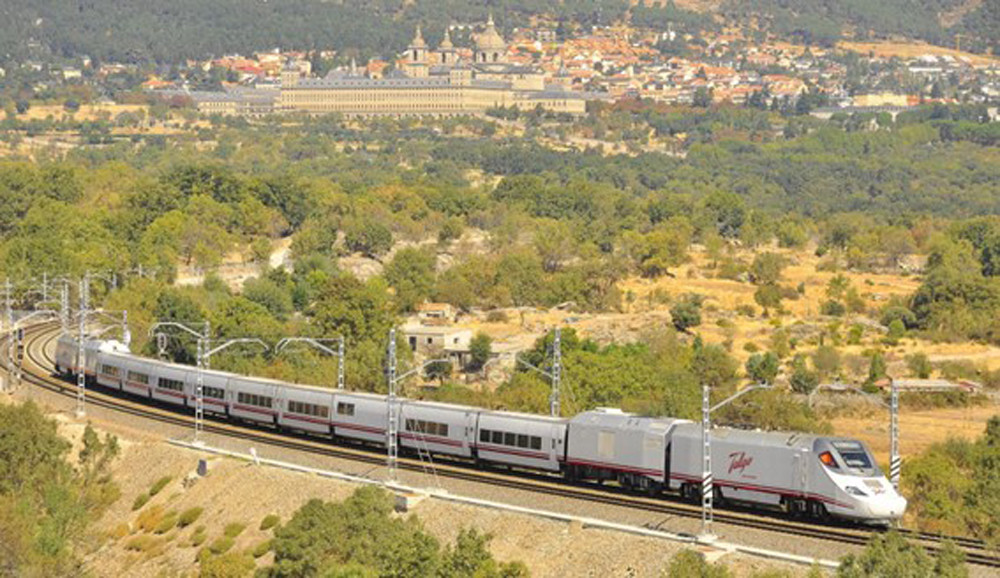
point(431, 82)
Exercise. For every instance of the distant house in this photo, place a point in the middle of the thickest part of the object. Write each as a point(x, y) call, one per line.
point(436, 313)
point(430, 341)
point(930, 385)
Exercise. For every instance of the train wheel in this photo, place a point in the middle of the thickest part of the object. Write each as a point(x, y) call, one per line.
point(817, 510)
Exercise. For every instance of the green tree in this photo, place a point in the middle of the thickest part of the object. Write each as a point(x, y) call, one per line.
point(802, 379)
point(763, 367)
point(766, 268)
point(369, 237)
point(877, 367)
point(919, 365)
point(826, 360)
point(768, 297)
point(686, 313)
point(480, 351)
point(411, 273)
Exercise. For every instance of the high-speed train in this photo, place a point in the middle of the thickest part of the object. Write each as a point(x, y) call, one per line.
point(808, 475)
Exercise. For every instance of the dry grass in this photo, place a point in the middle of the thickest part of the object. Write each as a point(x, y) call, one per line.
point(913, 50)
point(918, 429)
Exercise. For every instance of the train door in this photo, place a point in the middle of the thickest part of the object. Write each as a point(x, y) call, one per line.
point(800, 470)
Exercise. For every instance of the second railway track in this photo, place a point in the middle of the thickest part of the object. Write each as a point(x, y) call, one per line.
point(38, 372)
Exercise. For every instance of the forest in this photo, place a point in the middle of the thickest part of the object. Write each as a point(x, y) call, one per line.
point(144, 31)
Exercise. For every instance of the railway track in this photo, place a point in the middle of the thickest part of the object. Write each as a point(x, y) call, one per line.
point(38, 372)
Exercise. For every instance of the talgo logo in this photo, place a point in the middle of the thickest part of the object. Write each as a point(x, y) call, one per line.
point(739, 461)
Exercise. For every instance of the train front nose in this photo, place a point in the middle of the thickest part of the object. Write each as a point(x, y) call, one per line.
point(886, 507)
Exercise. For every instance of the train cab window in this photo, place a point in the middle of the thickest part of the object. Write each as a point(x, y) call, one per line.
point(854, 455)
point(171, 384)
point(345, 408)
point(136, 377)
point(109, 370)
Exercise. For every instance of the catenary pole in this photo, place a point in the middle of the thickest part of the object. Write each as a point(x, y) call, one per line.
point(555, 401)
point(707, 489)
point(392, 432)
point(81, 360)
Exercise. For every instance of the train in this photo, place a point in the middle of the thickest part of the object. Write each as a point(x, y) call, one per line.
point(804, 475)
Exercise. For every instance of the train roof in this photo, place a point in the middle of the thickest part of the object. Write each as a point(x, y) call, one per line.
point(754, 437)
point(524, 415)
point(616, 418)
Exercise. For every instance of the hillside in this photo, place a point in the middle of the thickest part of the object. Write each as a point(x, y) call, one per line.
point(146, 31)
point(822, 21)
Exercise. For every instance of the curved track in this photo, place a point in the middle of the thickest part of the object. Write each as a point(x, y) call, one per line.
point(39, 365)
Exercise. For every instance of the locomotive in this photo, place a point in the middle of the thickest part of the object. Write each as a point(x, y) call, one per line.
point(802, 474)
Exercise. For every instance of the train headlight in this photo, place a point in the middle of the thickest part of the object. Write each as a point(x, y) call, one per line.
point(855, 491)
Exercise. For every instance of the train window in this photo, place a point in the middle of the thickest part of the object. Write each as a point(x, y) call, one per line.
point(171, 384)
point(484, 435)
point(536, 443)
point(853, 454)
point(137, 377)
point(213, 392)
point(109, 370)
point(345, 408)
point(509, 439)
point(497, 437)
point(254, 399)
point(442, 429)
point(522, 440)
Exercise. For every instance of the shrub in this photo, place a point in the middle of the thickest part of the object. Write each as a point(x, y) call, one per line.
point(261, 549)
point(142, 543)
point(746, 310)
point(159, 485)
point(227, 566)
point(269, 521)
point(140, 501)
point(199, 537)
point(687, 312)
point(919, 365)
point(188, 517)
point(221, 545)
point(235, 529)
point(150, 518)
point(832, 308)
point(497, 316)
point(167, 523)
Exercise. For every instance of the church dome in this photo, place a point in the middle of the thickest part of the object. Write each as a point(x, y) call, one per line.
point(490, 39)
point(446, 44)
point(418, 40)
